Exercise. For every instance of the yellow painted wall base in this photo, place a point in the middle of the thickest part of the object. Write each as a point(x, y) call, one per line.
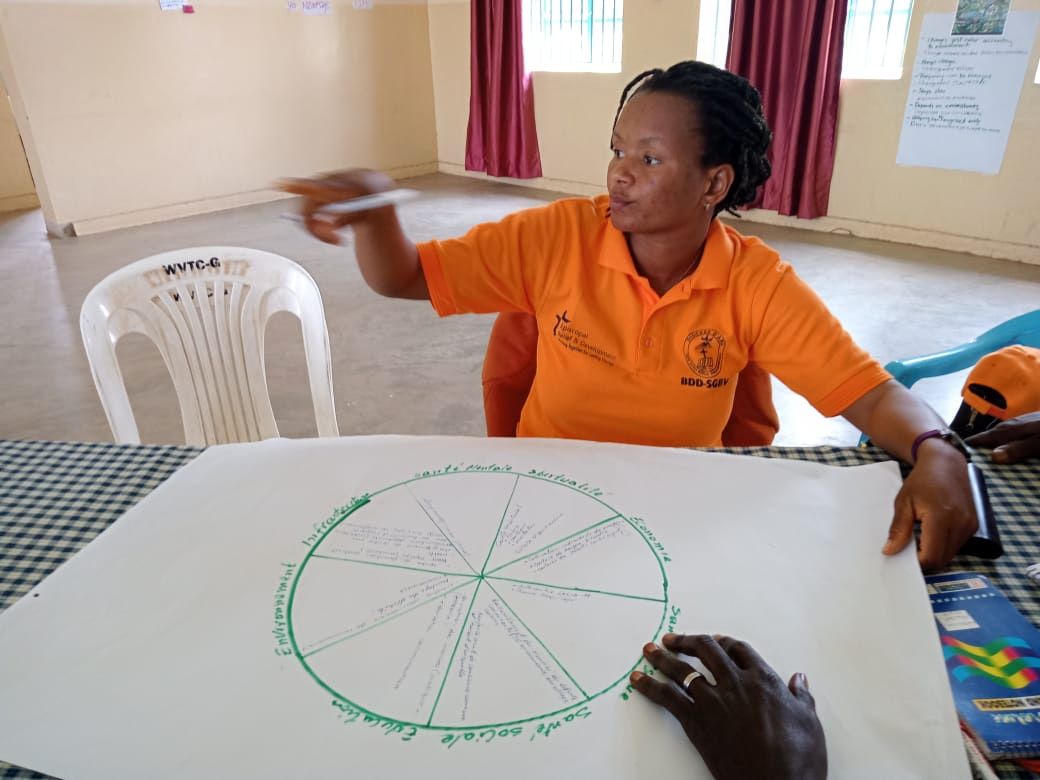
point(87, 227)
point(563, 186)
point(19, 202)
point(1001, 250)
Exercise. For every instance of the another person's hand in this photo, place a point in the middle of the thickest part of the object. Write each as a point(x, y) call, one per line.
point(333, 188)
point(749, 724)
point(938, 494)
point(1012, 441)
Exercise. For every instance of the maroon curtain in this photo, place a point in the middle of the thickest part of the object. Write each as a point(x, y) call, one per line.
point(791, 50)
point(501, 137)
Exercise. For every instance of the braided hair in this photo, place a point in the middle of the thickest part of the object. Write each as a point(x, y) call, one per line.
point(733, 129)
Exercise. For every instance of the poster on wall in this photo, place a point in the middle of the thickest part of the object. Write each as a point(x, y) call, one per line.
point(981, 17)
point(963, 94)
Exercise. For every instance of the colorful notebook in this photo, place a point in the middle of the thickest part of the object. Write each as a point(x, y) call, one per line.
point(993, 658)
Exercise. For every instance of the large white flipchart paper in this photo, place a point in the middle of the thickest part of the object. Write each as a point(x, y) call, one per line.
point(384, 607)
point(964, 93)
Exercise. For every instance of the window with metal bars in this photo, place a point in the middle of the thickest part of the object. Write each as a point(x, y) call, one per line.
point(875, 37)
point(713, 32)
point(573, 35)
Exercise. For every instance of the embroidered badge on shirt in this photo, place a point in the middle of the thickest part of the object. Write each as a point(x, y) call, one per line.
point(704, 350)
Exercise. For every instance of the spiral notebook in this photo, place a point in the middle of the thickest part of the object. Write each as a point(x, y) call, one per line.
point(993, 659)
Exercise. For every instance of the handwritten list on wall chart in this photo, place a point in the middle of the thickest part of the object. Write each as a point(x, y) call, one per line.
point(963, 94)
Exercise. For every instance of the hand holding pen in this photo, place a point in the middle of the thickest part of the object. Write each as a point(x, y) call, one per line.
point(336, 200)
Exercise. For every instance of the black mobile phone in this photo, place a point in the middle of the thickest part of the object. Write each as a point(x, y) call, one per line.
point(986, 541)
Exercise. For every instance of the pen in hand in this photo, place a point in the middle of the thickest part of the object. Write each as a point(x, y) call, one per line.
point(363, 203)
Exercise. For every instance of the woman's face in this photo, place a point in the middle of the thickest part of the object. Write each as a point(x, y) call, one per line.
point(655, 179)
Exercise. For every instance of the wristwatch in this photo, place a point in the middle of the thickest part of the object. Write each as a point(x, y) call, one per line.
point(946, 435)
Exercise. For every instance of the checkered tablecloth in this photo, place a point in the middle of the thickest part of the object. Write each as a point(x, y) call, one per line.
point(55, 497)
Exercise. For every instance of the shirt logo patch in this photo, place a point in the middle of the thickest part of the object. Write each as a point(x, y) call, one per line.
point(704, 350)
point(561, 319)
point(579, 341)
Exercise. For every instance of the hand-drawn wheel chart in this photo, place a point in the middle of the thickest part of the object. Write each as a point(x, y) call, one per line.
point(472, 599)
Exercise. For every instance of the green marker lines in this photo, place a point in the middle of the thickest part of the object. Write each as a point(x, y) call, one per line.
point(392, 617)
point(538, 639)
point(580, 590)
point(392, 565)
point(342, 678)
point(457, 550)
point(500, 522)
point(553, 544)
point(447, 669)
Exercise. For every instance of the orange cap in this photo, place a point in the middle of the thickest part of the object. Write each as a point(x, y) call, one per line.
point(1014, 372)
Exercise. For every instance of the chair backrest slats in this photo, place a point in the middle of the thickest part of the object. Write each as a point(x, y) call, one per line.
point(236, 316)
point(221, 294)
point(204, 300)
point(206, 310)
point(190, 385)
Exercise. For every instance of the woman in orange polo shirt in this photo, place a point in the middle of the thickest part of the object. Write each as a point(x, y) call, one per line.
point(648, 306)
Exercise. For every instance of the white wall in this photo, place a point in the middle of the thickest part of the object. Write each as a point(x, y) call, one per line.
point(135, 114)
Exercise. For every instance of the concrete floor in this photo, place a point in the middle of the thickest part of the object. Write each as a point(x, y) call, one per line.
point(397, 369)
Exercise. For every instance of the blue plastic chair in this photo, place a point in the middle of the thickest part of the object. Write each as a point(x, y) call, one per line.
point(1024, 329)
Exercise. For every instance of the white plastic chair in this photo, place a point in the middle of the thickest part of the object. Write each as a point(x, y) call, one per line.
point(206, 309)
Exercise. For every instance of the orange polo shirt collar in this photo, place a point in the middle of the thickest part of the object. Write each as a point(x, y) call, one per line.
point(711, 274)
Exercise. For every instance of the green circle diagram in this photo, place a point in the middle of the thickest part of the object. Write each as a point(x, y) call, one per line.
point(465, 600)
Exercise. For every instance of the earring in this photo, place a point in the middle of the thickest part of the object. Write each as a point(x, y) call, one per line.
point(707, 206)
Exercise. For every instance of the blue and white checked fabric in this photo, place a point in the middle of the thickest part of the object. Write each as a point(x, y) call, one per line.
point(55, 497)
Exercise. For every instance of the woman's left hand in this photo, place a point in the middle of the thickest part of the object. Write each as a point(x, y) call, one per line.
point(938, 490)
point(938, 493)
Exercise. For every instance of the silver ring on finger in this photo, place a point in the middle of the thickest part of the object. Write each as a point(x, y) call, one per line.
point(688, 680)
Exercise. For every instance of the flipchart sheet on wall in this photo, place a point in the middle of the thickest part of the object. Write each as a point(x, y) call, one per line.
point(963, 94)
point(382, 607)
